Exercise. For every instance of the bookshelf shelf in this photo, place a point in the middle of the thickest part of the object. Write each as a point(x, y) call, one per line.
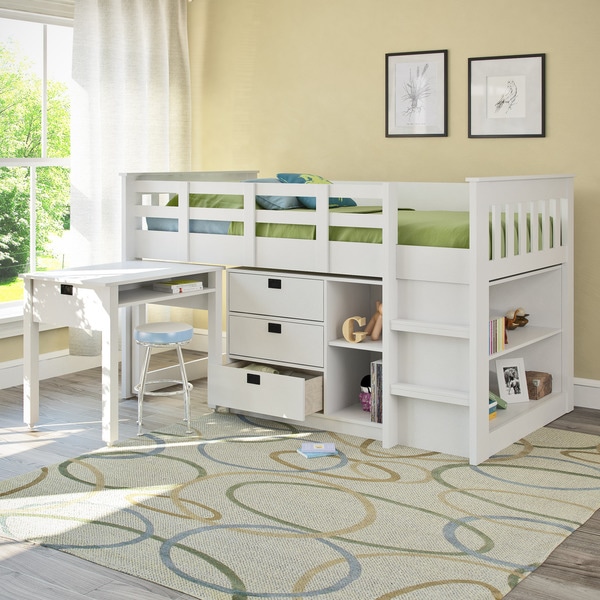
point(526, 336)
point(427, 328)
point(367, 345)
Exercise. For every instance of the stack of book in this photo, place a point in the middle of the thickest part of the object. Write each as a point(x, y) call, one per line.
point(317, 449)
point(376, 391)
point(497, 335)
point(493, 405)
point(495, 402)
point(177, 286)
point(495, 398)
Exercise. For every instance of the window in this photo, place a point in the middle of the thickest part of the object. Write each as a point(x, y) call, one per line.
point(35, 80)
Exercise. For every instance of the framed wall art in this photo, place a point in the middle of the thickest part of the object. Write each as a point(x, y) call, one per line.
point(512, 380)
point(416, 92)
point(507, 96)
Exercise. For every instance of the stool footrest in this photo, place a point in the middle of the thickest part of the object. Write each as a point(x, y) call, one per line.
point(190, 387)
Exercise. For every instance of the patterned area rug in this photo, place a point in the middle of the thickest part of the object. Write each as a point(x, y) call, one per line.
point(233, 512)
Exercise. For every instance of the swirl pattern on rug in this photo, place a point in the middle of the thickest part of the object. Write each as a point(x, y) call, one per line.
point(233, 512)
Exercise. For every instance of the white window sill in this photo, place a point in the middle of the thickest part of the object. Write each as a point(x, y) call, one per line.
point(11, 319)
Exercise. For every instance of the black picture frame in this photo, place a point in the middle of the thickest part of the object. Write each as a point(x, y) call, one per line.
point(416, 94)
point(507, 96)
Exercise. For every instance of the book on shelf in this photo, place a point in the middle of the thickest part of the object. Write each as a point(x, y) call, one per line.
point(497, 337)
point(177, 286)
point(317, 449)
point(493, 397)
point(376, 391)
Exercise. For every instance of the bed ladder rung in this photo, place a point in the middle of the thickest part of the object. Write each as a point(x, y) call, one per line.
point(430, 393)
point(429, 328)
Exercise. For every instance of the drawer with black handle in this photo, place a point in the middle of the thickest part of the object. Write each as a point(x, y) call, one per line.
point(277, 340)
point(289, 394)
point(276, 295)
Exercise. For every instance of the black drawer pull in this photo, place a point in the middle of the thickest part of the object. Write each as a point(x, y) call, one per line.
point(274, 327)
point(253, 378)
point(275, 284)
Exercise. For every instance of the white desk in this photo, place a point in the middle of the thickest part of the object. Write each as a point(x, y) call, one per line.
point(90, 298)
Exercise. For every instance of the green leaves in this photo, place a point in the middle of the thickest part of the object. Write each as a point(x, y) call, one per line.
point(21, 110)
point(21, 137)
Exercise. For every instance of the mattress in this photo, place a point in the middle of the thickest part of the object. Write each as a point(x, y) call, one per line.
point(434, 228)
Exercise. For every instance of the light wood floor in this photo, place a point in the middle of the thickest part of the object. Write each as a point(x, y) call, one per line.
point(70, 425)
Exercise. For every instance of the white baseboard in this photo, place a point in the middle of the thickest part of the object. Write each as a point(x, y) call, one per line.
point(52, 364)
point(587, 393)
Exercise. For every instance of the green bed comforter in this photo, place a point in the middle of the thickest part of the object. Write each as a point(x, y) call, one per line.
point(441, 228)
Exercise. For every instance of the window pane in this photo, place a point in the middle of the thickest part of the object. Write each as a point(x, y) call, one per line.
point(25, 40)
point(21, 87)
point(21, 52)
point(52, 212)
point(60, 41)
point(52, 224)
point(14, 230)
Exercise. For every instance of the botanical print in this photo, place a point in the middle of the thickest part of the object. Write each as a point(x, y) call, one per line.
point(506, 97)
point(416, 83)
point(416, 93)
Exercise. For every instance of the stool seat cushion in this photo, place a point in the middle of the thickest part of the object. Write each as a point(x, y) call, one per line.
point(167, 332)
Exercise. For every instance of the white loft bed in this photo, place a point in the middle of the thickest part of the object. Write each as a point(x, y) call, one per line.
point(437, 300)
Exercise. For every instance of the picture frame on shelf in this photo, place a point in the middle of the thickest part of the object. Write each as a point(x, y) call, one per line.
point(416, 92)
point(507, 96)
point(512, 380)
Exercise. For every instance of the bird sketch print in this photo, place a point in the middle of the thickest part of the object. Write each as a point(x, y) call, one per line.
point(508, 98)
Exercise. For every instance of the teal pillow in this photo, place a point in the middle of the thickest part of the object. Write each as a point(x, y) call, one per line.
point(308, 201)
point(275, 202)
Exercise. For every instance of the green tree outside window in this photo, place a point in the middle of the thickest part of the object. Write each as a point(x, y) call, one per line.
point(21, 137)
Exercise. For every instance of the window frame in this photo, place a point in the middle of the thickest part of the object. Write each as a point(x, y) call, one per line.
point(12, 312)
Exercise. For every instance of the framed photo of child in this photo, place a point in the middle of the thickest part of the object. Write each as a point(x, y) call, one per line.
point(512, 381)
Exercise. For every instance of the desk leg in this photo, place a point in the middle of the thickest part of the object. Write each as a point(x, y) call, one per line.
point(126, 331)
point(110, 365)
point(130, 355)
point(215, 323)
point(31, 360)
point(134, 351)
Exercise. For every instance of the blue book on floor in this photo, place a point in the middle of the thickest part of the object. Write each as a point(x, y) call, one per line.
point(316, 449)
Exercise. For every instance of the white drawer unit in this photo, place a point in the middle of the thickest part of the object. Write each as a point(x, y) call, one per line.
point(276, 295)
point(286, 355)
point(290, 342)
point(278, 395)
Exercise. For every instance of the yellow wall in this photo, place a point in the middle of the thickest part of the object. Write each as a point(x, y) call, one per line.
point(298, 85)
point(50, 341)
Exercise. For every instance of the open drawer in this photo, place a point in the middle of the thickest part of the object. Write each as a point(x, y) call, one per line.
point(289, 396)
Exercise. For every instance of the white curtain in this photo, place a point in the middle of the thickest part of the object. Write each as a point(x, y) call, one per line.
point(131, 111)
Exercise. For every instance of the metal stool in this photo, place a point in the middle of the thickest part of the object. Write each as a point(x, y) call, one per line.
point(164, 335)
